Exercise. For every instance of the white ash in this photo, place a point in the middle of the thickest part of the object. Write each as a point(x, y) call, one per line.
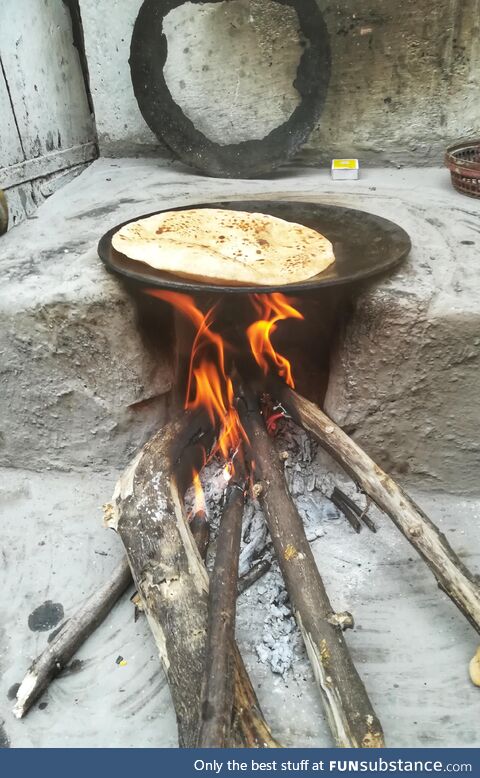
point(254, 532)
point(311, 476)
point(255, 538)
point(280, 639)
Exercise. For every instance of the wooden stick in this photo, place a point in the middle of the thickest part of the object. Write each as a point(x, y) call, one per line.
point(452, 575)
point(217, 700)
point(148, 514)
point(351, 717)
point(347, 502)
point(256, 571)
point(71, 636)
point(147, 511)
point(249, 728)
point(337, 498)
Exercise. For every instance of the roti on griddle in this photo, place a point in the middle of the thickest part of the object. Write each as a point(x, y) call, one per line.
point(224, 246)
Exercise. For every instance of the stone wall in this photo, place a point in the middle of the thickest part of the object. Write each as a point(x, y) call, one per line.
point(404, 78)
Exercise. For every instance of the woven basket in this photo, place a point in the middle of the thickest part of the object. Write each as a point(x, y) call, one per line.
point(463, 161)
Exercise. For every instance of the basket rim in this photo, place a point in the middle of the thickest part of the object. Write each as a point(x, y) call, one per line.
point(461, 166)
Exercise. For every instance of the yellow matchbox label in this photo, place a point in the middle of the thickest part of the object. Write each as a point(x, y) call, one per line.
point(345, 164)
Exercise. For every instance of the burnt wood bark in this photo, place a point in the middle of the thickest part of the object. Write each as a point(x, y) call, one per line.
point(71, 636)
point(217, 700)
point(351, 717)
point(148, 513)
point(452, 575)
point(347, 510)
point(344, 503)
point(256, 571)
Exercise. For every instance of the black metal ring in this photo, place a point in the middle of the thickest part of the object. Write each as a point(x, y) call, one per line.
point(148, 55)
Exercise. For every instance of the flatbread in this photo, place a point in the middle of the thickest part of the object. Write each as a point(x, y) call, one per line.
point(222, 246)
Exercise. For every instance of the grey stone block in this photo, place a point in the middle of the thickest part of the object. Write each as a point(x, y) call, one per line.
point(69, 374)
point(405, 369)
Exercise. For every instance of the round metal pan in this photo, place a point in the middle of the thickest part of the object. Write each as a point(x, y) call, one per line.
point(365, 245)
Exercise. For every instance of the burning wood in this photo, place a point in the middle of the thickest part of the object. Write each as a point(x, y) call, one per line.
point(191, 617)
point(352, 719)
point(217, 700)
point(350, 714)
point(149, 515)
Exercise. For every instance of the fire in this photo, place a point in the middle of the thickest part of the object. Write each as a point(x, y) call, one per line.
point(208, 385)
point(271, 309)
point(199, 503)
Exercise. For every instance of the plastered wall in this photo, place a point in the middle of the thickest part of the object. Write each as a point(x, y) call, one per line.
point(405, 77)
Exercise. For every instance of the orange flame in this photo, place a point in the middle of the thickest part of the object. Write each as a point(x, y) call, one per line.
point(199, 503)
point(271, 308)
point(208, 385)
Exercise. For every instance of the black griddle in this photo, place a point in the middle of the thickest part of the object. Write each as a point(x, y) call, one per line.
point(365, 245)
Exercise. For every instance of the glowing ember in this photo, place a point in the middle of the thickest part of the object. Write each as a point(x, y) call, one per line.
point(271, 308)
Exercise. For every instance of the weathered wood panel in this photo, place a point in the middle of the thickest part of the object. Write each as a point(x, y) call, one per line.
point(11, 151)
point(44, 76)
point(46, 126)
point(38, 167)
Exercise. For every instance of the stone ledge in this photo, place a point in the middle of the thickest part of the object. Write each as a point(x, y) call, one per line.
point(403, 370)
point(69, 373)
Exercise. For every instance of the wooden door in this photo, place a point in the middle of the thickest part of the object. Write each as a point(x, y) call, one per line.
point(47, 130)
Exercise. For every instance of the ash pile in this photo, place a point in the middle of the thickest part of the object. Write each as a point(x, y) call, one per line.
point(312, 478)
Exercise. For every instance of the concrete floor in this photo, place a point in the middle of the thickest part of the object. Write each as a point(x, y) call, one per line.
point(72, 364)
point(410, 644)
